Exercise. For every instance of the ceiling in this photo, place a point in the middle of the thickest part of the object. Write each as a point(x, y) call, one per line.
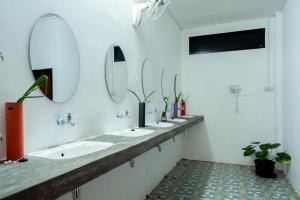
point(195, 13)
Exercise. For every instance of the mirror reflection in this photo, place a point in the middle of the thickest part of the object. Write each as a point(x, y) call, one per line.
point(116, 74)
point(54, 52)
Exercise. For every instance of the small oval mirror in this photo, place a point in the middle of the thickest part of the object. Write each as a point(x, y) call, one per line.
point(54, 52)
point(116, 74)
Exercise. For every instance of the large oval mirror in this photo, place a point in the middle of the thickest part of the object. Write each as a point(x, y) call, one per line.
point(148, 82)
point(54, 52)
point(116, 74)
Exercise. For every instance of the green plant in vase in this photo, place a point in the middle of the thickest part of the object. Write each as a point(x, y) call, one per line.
point(176, 105)
point(14, 121)
point(183, 105)
point(264, 161)
point(1, 56)
point(164, 114)
point(142, 106)
point(177, 99)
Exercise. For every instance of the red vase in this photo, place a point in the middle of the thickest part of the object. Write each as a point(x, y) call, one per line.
point(183, 108)
point(14, 131)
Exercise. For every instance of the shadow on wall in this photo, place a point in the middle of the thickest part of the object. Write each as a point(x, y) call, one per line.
point(196, 144)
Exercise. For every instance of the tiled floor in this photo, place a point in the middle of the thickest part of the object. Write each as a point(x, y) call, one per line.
point(194, 180)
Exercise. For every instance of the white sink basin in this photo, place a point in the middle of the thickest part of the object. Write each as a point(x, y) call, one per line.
point(72, 150)
point(160, 124)
point(177, 120)
point(187, 116)
point(132, 132)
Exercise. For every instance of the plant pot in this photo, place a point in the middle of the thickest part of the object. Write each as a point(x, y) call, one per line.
point(142, 110)
point(265, 168)
point(175, 110)
point(14, 131)
point(183, 108)
point(164, 117)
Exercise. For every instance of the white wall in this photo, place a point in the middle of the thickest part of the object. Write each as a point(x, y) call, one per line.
point(291, 92)
point(99, 25)
point(207, 77)
point(96, 25)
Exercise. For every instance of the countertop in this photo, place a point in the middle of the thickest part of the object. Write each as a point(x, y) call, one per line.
point(41, 178)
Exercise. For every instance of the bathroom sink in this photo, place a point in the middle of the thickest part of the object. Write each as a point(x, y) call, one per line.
point(160, 124)
point(177, 120)
point(132, 132)
point(72, 150)
point(187, 116)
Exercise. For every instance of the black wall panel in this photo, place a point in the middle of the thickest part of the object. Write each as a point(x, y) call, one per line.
point(232, 41)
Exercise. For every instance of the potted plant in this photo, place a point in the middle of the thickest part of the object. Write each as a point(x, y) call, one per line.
point(264, 161)
point(177, 99)
point(142, 107)
point(183, 105)
point(14, 121)
point(164, 113)
point(1, 56)
point(176, 105)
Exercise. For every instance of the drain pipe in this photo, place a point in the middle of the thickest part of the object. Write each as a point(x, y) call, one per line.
point(76, 194)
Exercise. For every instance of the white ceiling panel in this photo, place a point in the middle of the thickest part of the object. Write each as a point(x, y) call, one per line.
point(195, 13)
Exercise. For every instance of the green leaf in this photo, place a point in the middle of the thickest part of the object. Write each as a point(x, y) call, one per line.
point(185, 99)
point(146, 99)
point(265, 147)
point(34, 97)
point(133, 92)
point(274, 146)
point(283, 158)
point(42, 79)
point(262, 155)
point(177, 98)
point(175, 86)
point(1, 56)
point(249, 152)
point(255, 143)
point(249, 147)
point(166, 100)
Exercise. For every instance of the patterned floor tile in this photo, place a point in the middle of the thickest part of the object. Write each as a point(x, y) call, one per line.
point(194, 180)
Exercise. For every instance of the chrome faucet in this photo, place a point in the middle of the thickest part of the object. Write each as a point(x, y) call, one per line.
point(66, 120)
point(121, 115)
